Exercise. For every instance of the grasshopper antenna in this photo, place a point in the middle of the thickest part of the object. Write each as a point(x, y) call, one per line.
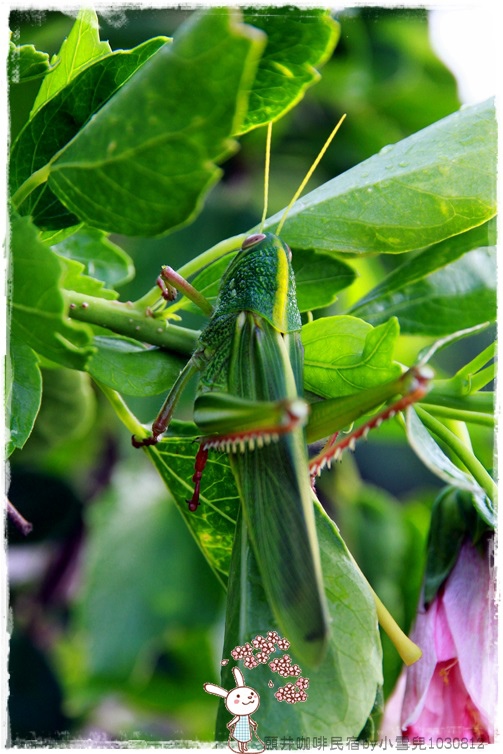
point(308, 175)
point(266, 174)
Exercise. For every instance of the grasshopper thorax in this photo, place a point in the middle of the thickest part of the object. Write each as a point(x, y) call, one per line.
point(260, 279)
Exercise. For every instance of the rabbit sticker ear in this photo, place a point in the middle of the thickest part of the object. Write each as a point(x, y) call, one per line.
point(239, 677)
point(211, 688)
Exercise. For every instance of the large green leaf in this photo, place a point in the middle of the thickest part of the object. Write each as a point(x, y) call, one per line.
point(143, 163)
point(24, 393)
point(39, 318)
point(213, 524)
point(82, 47)
point(439, 182)
point(460, 296)
point(343, 355)
point(318, 278)
point(342, 690)
point(298, 41)
point(445, 288)
point(352, 666)
point(55, 124)
point(132, 368)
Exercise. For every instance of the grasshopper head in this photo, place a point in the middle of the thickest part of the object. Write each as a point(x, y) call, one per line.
point(260, 279)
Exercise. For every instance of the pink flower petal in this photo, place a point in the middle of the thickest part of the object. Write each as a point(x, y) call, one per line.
point(470, 610)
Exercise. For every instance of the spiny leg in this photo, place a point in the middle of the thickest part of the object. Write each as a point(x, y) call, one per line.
point(239, 442)
point(333, 450)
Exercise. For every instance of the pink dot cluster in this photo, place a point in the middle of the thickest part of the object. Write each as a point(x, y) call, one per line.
point(258, 652)
point(239, 653)
point(291, 693)
point(283, 666)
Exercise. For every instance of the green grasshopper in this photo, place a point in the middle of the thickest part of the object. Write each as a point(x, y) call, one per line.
point(250, 404)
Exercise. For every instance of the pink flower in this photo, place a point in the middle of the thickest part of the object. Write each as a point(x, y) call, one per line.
point(451, 690)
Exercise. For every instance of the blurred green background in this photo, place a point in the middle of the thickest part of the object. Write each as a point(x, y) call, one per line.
point(117, 620)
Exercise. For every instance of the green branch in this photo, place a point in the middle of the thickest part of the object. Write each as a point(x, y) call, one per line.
point(211, 255)
point(464, 453)
point(439, 395)
point(128, 319)
point(457, 414)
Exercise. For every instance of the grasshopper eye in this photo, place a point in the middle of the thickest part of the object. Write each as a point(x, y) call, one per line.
point(252, 240)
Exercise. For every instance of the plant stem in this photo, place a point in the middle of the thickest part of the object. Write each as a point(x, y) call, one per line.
point(482, 378)
point(127, 319)
point(476, 364)
point(408, 651)
point(36, 179)
point(465, 455)
point(470, 417)
point(18, 520)
point(211, 255)
point(122, 410)
point(440, 395)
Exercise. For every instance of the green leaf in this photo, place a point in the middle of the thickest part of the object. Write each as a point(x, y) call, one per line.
point(435, 184)
point(74, 279)
point(343, 355)
point(388, 540)
point(26, 63)
point(81, 48)
point(214, 523)
point(298, 41)
point(180, 109)
point(445, 288)
point(342, 690)
point(132, 368)
point(54, 237)
point(68, 409)
point(458, 297)
point(318, 278)
point(38, 313)
point(101, 258)
point(55, 124)
point(24, 393)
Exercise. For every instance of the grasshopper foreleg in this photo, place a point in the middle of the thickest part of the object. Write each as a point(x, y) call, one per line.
point(163, 418)
point(288, 415)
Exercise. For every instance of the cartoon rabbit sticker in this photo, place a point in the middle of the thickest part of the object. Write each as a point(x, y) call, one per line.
point(241, 702)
